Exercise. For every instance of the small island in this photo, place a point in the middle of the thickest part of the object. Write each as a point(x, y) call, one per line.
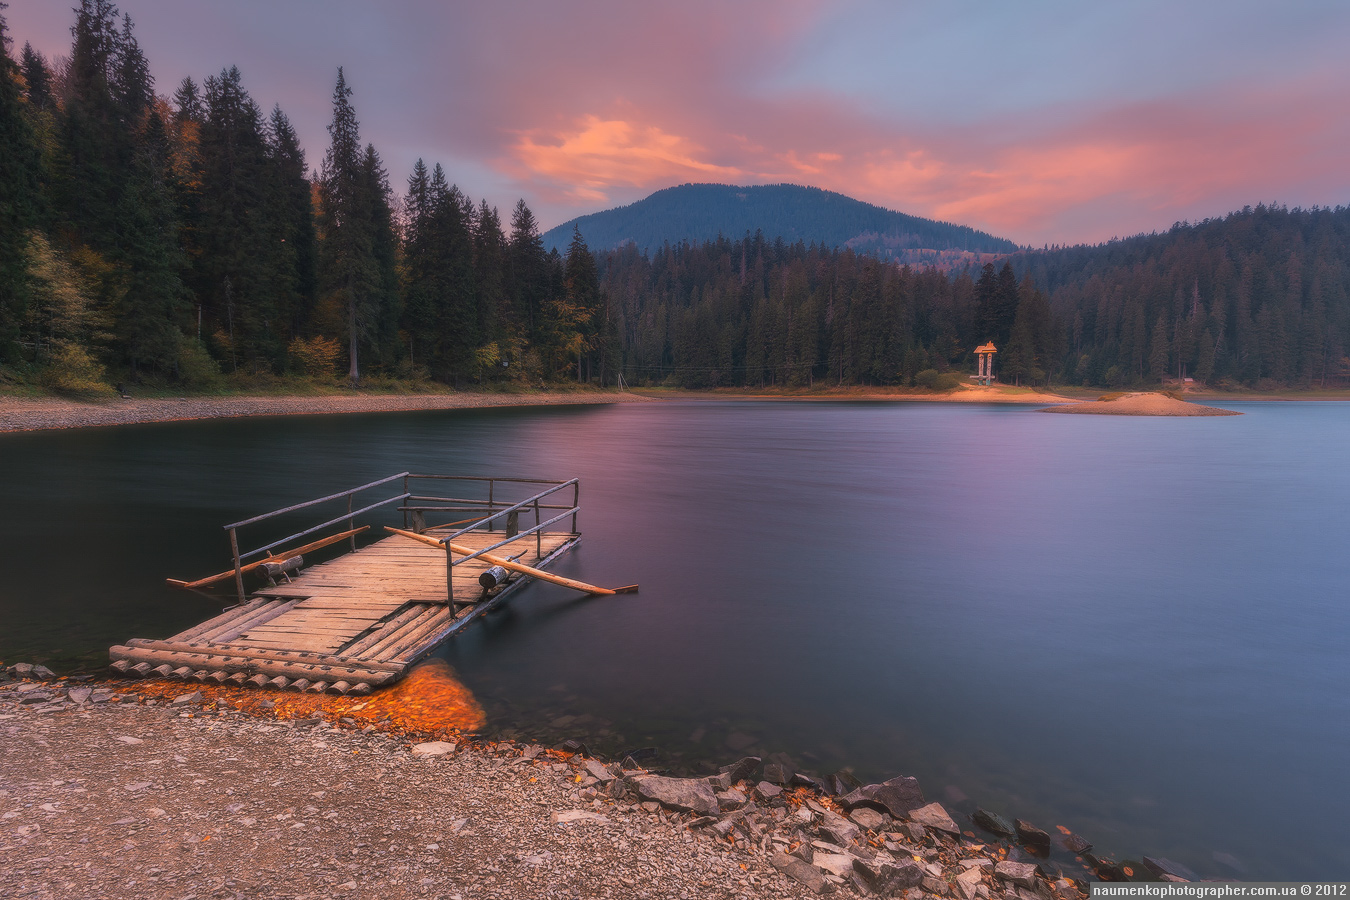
point(1141, 403)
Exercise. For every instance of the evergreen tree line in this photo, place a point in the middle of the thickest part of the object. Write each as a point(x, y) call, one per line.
point(758, 313)
point(1259, 298)
point(174, 237)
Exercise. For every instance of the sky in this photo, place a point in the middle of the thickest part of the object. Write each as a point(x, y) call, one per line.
point(1042, 121)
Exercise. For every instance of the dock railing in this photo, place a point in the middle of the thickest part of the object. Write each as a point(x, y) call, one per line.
point(487, 514)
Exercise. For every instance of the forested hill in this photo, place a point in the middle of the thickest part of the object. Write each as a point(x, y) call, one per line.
point(1259, 297)
point(701, 212)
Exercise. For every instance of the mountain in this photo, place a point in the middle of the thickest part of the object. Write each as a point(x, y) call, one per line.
point(700, 212)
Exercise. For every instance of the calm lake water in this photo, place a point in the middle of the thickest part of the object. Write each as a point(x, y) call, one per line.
point(1132, 627)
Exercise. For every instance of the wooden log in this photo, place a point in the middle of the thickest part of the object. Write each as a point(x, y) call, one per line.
point(218, 677)
point(361, 689)
point(385, 648)
point(120, 666)
point(164, 671)
point(432, 625)
point(514, 566)
point(275, 557)
point(239, 678)
point(360, 646)
point(298, 685)
point(279, 682)
point(258, 680)
point(258, 617)
point(342, 687)
point(140, 670)
point(217, 622)
point(254, 654)
point(373, 672)
point(182, 672)
point(492, 576)
point(317, 687)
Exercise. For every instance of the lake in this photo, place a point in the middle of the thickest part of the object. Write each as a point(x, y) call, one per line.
point(1132, 627)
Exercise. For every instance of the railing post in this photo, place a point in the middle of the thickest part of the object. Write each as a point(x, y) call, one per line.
point(405, 503)
point(576, 501)
point(538, 536)
point(491, 507)
point(449, 577)
point(350, 520)
point(238, 569)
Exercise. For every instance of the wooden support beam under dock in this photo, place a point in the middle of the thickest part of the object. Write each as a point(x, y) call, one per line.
point(344, 626)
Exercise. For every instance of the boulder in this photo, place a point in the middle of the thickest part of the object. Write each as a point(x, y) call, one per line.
point(185, 699)
point(1032, 838)
point(21, 670)
point(842, 782)
point(897, 796)
point(80, 694)
point(934, 816)
point(1076, 844)
point(1161, 866)
point(868, 818)
point(994, 823)
point(43, 673)
point(836, 828)
point(968, 880)
point(811, 781)
point(720, 782)
point(839, 864)
point(768, 792)
point(598, 770)
point(732, 799)
point(1020, 874)
point(432, 749)
point(802, 872)
point(888, 878)
point(742, 768)
point(777, 773)
point(684, 794)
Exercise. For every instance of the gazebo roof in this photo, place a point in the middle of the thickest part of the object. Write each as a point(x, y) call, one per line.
point(987, 347)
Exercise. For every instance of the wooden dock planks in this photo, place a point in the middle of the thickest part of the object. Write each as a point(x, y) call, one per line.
point(347, 625)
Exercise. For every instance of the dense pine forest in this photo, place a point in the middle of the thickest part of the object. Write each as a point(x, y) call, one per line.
point(182, 239)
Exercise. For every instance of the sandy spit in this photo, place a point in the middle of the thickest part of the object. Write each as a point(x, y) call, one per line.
point(1144, 403)
point(38, 414)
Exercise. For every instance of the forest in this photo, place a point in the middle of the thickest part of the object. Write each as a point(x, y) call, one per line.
point(183, 240)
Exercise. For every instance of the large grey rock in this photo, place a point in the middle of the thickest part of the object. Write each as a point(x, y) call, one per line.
point(598, 770)
point(777, 773)
point(732, 799)
point(432, 749)
point(767, 792)
point(968, 880)
point(1033, 838)
point(21, 670)
point(868, 818)
point(888, 878)
point(994, 823)
point(43, 673)
point(934, 816)
point(839, 864)
point(184, 699)
point(742, 768)
point(685, 794)
point(842, 782)
point(1020, 874)
point(79, 694)
point(801, 872)
point(837, 829)
point(897, 796)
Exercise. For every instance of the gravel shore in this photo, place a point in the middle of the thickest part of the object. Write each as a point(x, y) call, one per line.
point(107, 792)
point(25, 414)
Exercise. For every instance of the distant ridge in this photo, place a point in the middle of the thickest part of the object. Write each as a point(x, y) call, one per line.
point(700, 212)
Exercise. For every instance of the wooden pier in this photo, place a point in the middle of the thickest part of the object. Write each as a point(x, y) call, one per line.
point(360, 620)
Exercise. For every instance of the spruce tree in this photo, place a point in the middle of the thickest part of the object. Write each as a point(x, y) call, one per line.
point(19, 199)
point(349, 274)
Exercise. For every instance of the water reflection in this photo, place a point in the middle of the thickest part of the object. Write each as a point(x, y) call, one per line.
point(1129, 627)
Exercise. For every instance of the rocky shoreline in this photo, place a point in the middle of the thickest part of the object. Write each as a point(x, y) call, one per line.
point(41, 414)
point(109, 791)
